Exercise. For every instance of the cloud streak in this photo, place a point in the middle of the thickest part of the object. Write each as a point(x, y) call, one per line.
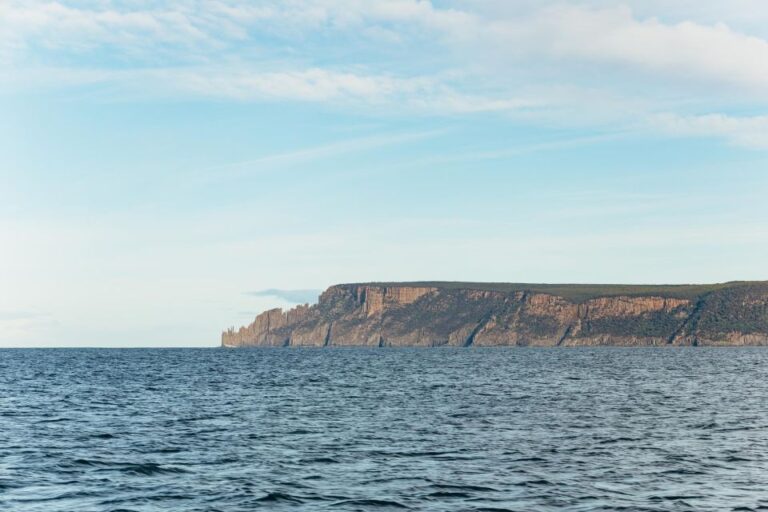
point(749, 132)
point(616, 38)
point(612, 35)
point(456, 58)
point(427, 94)
point(313, 154)
point(21, 325)
point(292, 296)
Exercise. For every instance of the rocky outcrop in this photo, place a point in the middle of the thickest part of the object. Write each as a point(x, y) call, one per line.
point(375, 299)
point(464, 314)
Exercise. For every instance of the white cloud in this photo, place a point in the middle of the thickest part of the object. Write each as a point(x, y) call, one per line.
point(750, 132)
point(314, 84)
point(712, 52)
point(55, 25)
point(421, 93)
point(614, 35)
point(136, 26)
point(617, 62)
point(748, 14)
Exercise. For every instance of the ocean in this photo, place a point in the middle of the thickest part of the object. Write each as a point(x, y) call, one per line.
point(445, 429)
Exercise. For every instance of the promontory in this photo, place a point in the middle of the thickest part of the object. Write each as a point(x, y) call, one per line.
point(429, 314)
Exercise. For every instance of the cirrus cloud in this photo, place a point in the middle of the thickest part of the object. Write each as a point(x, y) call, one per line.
point(750, 132)
point(412, 56)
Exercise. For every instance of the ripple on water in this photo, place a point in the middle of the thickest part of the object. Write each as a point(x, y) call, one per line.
point(384, 429)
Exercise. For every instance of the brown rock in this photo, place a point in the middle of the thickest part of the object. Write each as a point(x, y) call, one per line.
point(462, 314)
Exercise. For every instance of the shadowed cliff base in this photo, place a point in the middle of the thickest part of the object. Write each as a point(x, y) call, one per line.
point(512, 314)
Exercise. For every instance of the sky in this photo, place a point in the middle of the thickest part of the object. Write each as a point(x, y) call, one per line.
point(170, 169)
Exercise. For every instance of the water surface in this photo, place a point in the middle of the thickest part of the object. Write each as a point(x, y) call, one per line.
point(384, 429)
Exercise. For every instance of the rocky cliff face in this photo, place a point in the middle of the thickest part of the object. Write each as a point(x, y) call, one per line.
point(464, 314)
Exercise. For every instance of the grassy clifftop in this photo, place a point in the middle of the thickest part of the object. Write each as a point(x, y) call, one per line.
point(584, 292)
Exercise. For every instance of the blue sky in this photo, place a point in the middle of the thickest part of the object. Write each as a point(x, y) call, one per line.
point(161, 164)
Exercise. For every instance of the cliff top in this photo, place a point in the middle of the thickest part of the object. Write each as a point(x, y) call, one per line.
point(579, 292)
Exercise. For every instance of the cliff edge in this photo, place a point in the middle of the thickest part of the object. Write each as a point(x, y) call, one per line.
point(505, 314)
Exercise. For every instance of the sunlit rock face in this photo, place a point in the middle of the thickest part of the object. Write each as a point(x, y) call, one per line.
point(482, 314)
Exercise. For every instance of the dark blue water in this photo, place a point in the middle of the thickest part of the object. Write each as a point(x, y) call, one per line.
point(384, 429)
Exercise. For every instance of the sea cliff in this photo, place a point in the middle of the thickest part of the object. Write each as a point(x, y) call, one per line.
point(499, 314)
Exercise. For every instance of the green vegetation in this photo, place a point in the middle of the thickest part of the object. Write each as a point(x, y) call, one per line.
point(740, 309)
point(584, 292)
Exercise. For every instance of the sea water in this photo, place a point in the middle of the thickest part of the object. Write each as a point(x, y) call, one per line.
point(384, 429)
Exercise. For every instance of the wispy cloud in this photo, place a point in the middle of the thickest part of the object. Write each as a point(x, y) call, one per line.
point(428, 94)
point(591, 33)
point(389, 94)
point(452, 58)
point(292, 296)
point(56, 25)
point(18, 325)
point(314, 84)
point(615, 36)
point(7, 316)
point(749, 131)
point(312, 154)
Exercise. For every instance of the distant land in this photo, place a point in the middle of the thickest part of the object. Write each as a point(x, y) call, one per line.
point(430, 314)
